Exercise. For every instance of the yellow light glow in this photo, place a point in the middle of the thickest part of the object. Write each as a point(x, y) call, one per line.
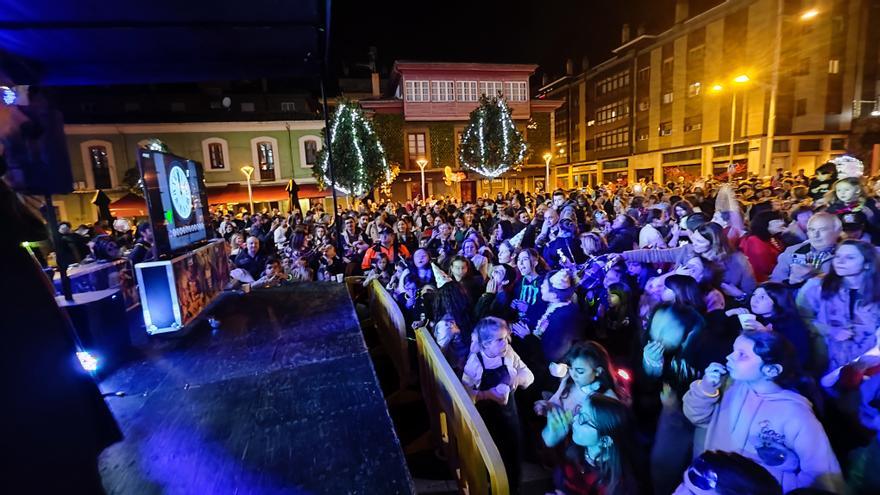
point(247, 170)
point(742, 78)
point(810, 14)
point(548, 157)
point(717, 88)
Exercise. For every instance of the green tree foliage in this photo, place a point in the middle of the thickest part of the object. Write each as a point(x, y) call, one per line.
point(359, 162)
point(491, 143)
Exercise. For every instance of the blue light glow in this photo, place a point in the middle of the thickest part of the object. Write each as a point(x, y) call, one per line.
point(8, 94)
point(87, 361)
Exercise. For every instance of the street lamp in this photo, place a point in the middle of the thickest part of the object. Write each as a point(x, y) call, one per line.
point(422, 163)
point(717, 88)
point(810, 14)
point(248, 171)
point(547, 157)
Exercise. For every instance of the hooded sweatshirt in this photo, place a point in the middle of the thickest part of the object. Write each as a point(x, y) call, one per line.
point(777, 430)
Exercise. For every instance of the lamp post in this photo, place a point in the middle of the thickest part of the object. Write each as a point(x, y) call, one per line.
point(547, 157)
point(422, 163)
point(248, 171)
point(740, 79)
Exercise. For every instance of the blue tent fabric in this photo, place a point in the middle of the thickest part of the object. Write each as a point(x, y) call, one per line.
point(89, 42)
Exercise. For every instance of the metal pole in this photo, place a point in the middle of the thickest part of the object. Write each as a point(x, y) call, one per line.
point(774, 89)
point(732, 131)
point(424, 197)
point(250, 193)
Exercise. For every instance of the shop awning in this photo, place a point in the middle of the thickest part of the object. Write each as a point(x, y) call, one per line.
point(238, 193)
point(130, 205)
point(89, 42)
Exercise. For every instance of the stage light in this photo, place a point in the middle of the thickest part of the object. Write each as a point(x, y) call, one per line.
point(87, 361)
point(8, 95)
point(623, 374)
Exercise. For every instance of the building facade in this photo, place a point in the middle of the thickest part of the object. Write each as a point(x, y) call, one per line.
point(104, 157)
point(427, 110)
point(669, 105)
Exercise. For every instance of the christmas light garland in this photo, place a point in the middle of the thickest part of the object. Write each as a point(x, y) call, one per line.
point(491, 144)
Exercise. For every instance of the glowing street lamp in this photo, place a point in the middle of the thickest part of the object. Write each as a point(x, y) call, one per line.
point(248, 171)
point(741, 79)
point(717, 88)
point(547, 157)
point(810, 14)
point(422, 163)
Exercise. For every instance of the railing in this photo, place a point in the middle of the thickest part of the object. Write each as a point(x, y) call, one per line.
point(471, 453)
point(391, 327)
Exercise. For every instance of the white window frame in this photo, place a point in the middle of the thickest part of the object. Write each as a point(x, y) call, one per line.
point(255, 155)
point(695, 89)
point(515, 90)
point(466, 91)
point(418, 91)
point(87, 162)
point(206, 153)
point(667, 98)
point(495, 87)
point(442, 91)
point(302, 149)
point(290, 104)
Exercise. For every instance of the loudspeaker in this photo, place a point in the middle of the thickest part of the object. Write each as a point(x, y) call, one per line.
point(101, 324)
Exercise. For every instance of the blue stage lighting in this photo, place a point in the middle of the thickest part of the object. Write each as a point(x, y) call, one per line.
point(8, 95)
point(87, 361)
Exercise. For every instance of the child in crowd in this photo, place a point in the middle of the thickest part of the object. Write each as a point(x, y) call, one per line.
point(587, 370)
point(759, 415)
point(492, 374)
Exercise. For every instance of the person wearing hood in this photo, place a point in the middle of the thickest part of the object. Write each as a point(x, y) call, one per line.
point(759, 415)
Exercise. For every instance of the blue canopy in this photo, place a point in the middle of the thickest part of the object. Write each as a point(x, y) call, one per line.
point(95, 42)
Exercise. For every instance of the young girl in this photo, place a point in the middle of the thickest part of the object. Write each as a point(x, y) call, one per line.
point(382, 270)
point(491, 375)
point(602, 428)
point(773, 305)
point(759, 415)
point(588, 371)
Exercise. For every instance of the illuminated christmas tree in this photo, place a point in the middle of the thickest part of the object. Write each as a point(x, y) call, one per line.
point(359, 162)
point(491, 144)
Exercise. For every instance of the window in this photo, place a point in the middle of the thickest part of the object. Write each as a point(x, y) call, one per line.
point(697, 51)
point(693, 125)
point(415, 147)
point(667, 98)
point(466, 90)
point(801, 107)
point(491, 88)
point(694, 89)
point(612, 112)
point(644, 105)
point(516, 91)
point(781, 146)
point(288, 106)
point(612, 139)
point(838, 144)
point(612, 83)
point(247, 106)
point(442, 91)
point(810, 145)
point(666, 128)
point(668, 65)
point(178, 106)
point(99, 165)
point(642, 134)
point(308, 151)
point(724, 150)
point(834, 66)
point(803, 67)
point(644, 75)
point(216, 154)
point(417, 91)
point(682, 156)
point(264, 154)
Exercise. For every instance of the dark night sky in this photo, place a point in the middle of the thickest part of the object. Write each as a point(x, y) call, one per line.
point(545, 32)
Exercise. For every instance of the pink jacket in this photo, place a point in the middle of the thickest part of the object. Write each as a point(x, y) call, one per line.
point(777, 430)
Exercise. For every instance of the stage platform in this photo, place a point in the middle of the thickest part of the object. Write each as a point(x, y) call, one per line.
point(281, 399)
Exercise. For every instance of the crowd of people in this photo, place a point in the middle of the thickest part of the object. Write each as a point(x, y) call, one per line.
point(692, 337)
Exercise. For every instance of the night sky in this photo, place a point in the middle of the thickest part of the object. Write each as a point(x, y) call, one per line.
point(545, 32)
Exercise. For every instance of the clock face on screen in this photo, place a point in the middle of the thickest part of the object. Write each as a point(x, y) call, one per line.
point(181, 195)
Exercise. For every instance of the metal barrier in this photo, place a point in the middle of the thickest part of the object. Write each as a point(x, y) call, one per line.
point(471, 453)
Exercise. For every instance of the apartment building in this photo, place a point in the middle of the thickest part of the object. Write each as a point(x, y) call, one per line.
point(670, 105)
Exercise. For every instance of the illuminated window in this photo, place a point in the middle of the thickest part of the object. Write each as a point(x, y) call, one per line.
point(466, 90)
point(666, 128)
